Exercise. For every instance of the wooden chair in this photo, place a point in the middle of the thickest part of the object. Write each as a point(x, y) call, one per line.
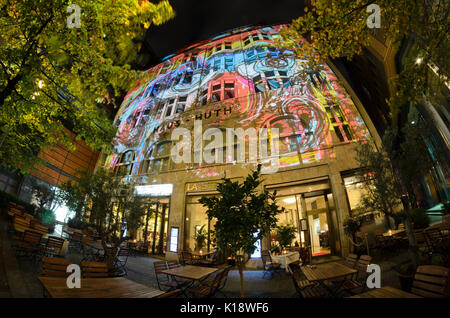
point(187, 258)
point(269, 266)
point(170, 294)
point(210, 261)
point(122, 258)
point(435, 238)
point(357, 283)
point(430, 281)
point(223, 281)
point(160, 266)
point(53, 246)
point(209, 289)
point(351, 260)
point(39, 228)
point(30, 244)
point(422, 241)
point(55, 267)
point(94, 270)
point(75, 241)
point(303, 286)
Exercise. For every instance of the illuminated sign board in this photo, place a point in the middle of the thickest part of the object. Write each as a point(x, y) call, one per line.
point(154, 190)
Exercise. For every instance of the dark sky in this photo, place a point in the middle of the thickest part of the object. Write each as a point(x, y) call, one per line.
point(201, 19)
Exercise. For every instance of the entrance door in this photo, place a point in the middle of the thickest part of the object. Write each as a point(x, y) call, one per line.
point(317, 214)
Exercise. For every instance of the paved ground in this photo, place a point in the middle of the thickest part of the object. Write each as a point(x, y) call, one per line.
point(18, 277)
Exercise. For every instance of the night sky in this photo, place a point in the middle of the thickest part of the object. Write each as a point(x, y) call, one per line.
point(202, 19)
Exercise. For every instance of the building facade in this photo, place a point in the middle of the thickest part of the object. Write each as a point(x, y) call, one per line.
point(242, 79)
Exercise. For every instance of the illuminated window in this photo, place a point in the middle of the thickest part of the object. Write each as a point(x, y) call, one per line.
point(251, 56)
point(215, 95)
point(229, 65)
point(181, 105)
point(227, 45)
point(247, 40)
point(204, 97)
point(258, 83)
point(217, 64)
point(229, 90)
point(187, 78)
point(170, 107)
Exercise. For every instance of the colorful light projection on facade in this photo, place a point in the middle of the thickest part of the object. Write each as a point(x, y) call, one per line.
point(236, 80)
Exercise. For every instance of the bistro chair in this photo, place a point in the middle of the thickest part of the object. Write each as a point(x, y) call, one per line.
point(434, 237)
point(209, 289)
point(351, 260)
point(122, 258)
point(223, 280)
point(269, 266)
point(55, 267)
point(30, 244)
point(430, 281)
point(75, 241)
point(357, 284)
point(163, 279)
point(210, 261)
point(94, 270)
point(187, 258)
point(53, 246)
point(302, 285)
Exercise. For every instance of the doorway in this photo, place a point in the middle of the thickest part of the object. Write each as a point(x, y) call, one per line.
point(310, 209)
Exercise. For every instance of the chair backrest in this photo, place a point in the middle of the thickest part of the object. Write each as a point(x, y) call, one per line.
point(39, 228)
point(86, 239)
point(420, 237)
point(363, 262)
point(170, 294)
point(351, 260)
point(55, 267)
point(434, 234)
point(160, 266)
point(55, 242)
point(94, 270)
point(187, 256)
point(294, 267)
point(21, 221)
point(173, 264)
point(224, 277)
point(430, 281)
point(123, 252)
point(32, 236)
point(76, 237)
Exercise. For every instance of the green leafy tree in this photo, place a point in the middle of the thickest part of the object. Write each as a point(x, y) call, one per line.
point(200, 237)
point(243, 215)
point(53, 76)
point(107, 203)
point(338, 29)
point(285, 235)
point(394, 173)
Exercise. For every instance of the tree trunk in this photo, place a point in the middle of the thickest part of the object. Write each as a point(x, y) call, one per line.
point(388, 221)
point(241, 275)
point(413, 250)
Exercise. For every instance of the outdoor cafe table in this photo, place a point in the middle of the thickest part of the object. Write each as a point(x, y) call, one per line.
point(386, 292)
point(326, 271)
point(286, 259)
point(115, 287)
point(190, 272)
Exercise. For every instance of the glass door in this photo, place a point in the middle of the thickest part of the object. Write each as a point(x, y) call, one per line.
point(317, 213)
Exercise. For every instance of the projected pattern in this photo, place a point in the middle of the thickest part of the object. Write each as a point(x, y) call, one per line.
point(238, 79)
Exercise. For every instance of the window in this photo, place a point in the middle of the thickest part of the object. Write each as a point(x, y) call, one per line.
point(187, 78)
point(170, 107)
point(251, 56)
point(227, 45)
point(258, 83)
point(204, 96)
point(247, 40)
point(215, 95)
point(217, 64)
point(218, 47)
point(257, 251)
point(173, 239)
point(229, 65)
point(255, 37)
point(181, 105)
point(229, 90)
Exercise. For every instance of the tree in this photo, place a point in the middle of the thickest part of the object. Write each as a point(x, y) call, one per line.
point(243, 216)
point(338, 29)
point(388, 185)
point(104, 201)
point(285, 235)
point(381, 190)
point(54, 77)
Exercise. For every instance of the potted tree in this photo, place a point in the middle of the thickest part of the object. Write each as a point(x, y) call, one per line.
point(243, 215)
point(200, 237)
point(285, 234)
